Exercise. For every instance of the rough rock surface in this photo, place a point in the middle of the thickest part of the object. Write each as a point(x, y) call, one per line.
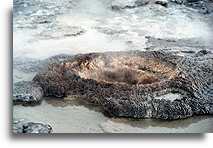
point(162, 2)
point(27, 93)
point(20, 126)
point(180, 46)
point(129, 84)
point(128, 4)
point(203, 6)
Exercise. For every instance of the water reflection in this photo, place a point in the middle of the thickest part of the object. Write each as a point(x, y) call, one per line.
point(72, 101)
point(76, 116)
point(140, 123)
point(146, 123)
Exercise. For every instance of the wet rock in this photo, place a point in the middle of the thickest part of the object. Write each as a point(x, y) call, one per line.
point(203, 6)
point(188, 51)
point(191, 1)
point(163, 3)
point(177, 1)
point(186, 46)
point(128, 4)
point(203, 52)
point(27, 93)
point(21, 126)
point(61, 31)
point(32, 14)
point(110, 31)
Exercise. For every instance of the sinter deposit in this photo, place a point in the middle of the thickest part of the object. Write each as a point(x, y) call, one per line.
point(129, 84)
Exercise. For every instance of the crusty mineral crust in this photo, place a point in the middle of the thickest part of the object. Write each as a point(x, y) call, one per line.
point(129, 84)
point(23, 127)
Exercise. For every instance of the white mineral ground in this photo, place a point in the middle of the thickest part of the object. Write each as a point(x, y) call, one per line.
point(45, 28)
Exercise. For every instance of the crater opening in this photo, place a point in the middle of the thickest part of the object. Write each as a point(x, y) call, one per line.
point(122, 69)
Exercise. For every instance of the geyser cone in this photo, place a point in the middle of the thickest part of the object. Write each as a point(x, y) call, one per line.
point(133, 84)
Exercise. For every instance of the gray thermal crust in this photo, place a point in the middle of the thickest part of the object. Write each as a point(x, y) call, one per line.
point(203, 6)
point(21, 126)
point(194, 83)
